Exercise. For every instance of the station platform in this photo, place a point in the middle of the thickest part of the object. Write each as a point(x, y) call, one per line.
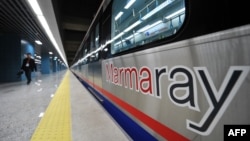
point(54, 107)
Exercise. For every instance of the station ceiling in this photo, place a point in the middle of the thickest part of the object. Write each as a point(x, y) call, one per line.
point(70, 23)
point(74, 18)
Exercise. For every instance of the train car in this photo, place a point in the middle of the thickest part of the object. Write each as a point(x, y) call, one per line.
point(169, 69)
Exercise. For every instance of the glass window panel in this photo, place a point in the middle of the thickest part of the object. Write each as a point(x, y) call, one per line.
point(144, 21)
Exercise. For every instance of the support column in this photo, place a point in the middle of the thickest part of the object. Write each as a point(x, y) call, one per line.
point(45, 66)
point(55, 65)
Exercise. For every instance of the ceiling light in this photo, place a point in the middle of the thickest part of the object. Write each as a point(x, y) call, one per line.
point(131, 36)
point(50, 53)
point(118, 15)
point(129, 4)
point(132, 26)
point(157, 9)
point(118, 43)
point(117, 36)
point(175, 13)
point(36, 8)
point(149, 26)
point(38, 42)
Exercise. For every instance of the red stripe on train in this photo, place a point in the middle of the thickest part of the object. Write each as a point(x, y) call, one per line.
point(161, 129)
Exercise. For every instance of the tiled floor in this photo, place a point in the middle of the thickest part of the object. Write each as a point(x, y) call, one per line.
point(22, 104)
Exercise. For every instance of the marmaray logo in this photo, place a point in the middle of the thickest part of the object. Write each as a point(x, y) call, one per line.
point(147, 82)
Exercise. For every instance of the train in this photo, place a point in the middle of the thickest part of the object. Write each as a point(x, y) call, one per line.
point(169, 69)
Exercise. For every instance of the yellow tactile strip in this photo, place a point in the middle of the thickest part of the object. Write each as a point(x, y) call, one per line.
point(56, 122)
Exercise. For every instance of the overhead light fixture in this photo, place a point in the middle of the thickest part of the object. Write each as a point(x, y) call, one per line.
point(37, 10)
point(118, 43)
point(132, 26)
point(175, 13)
point(149, 26)
point(118, 36)
point(126, 30)
point(38, 42)
point(131, 36)
point(50, 53)
point(131, 2)
point(118, 15)
point(157, 9)
point(35, 6)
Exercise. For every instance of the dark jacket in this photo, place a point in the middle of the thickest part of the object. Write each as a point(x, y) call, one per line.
point(31, 66)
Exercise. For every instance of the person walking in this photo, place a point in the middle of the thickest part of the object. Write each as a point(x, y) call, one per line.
point(28, 66)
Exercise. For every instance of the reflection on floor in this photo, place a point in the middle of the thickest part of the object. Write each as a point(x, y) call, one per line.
point(22, 106)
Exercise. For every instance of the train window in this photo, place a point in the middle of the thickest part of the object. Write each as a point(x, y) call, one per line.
point(94, 44)
point(140, 22)
point(105, 32)
point(96, 40)
point(97, 35)
point(84, 52)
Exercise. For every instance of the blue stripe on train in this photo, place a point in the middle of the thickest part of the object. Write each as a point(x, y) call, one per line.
point(135, 131)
